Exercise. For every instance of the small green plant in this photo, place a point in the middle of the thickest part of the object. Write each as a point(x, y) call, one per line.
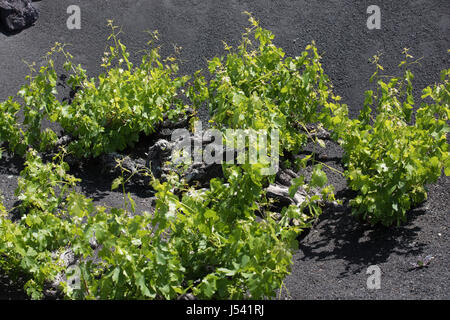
point(256, 87)
point(38, 181)
point(207, 242)
point(390, 158)
point(107, 113)
point(35, 242)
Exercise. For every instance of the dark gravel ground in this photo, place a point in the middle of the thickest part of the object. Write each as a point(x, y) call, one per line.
point(335, 254)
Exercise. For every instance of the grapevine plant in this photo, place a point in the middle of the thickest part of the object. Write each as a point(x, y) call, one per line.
point(106, 114)
point(256, 87)
point(389, 156)
point(221, 241)
point(208, 242)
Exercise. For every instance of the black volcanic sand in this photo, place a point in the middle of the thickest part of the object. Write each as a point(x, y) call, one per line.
point(335, 254)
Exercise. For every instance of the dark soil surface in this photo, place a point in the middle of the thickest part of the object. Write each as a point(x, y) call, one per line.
point(335, 254)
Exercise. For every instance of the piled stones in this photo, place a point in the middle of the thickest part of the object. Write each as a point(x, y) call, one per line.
point(16, 15)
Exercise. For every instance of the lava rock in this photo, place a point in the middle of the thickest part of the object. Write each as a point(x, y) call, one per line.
point(187, 296)
point(157, 156)
point(203, 173)
point(16, 15)
point(281, 195)
point(110, 165)
point(161, 162)
point(283, 178)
